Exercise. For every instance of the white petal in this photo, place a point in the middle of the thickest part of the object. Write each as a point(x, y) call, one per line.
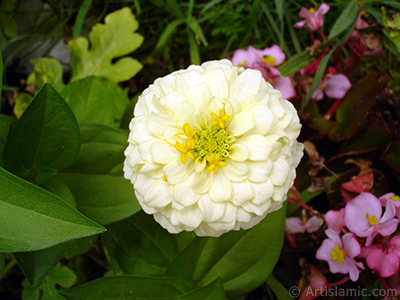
point(256, 99)
point(236, 171)
point(202, 183)
point(263, 192)
point(280, 172)
point(183, 113)
point(158, 194)
point(157, 123)
point(176, 172)
point(243, 216)
point(241, 123)
point(217, 82)
point(198, 95)
point(246, 85)
point(142, 184)
point(222, 188)
point(242, 192)
point(211, 211)
point(260, 170)
point(147, 210)
point(190, 217)
point(259, 147)
point(165, 223)
point(258, 209)
point(183, 82)
point(183, 193)
point(170, 101)
point(199, 164)
point(264, 118)
point(238, 152)
point(163, 153)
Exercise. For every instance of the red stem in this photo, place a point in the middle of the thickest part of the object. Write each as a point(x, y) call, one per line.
point(322, 34)
point(333, 108)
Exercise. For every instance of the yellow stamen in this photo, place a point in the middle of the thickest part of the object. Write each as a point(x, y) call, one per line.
point(242, 64)
point(372, 220)
point(337, 255)
point(269, 60)
point(394, 198)
point(271, 81)
point(323, 85)
point(221, 119)
point(215, 163)
point(312, 10)
point(185, 150)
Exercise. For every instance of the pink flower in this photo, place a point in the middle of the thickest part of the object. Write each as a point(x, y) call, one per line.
point(296, 225)
point(340, 253)
point(335, 220)
point(334, 86)
point(361, 24)
point(363, 216)
point(384, 258)
point(313, 18)
point(392, 199)
point(266, 61)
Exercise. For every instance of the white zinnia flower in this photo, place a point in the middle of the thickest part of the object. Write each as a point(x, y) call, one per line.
point(212, 148)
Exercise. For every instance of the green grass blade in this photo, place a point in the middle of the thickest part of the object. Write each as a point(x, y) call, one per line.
point(81, 17)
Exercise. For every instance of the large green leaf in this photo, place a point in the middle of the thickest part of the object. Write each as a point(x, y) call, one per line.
point(356, 105)
point(46, 289)
point(131, 287)
point(102, 150)
point(45, 138)
point(392, 155)
point(5, 124)
point(243, 259)
point(32, 218)
point(96, 99)
point(139, 245)
point(213, 291)
point(345, 19)
point(102, 198)
point(47, 70)
point(37, 264)
point(108, 41)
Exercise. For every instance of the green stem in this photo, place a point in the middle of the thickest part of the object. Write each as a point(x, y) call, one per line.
point(7, 268)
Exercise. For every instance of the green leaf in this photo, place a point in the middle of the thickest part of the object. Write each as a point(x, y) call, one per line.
point(139, 245)
point(167, 32)
point(81, 18)
point(243, 259)
point(47, 70)
point(193, 49)
point(1, 72)
point(21, 103)
point(46, 289)
point(102, 150)
point(362, 139)
point(356, 105)
point(195, 27)
point(10, 25)
point(392, 155)
point(46, 137)
point(344, 20)
point(32, 218)
point(213, 291)
point(80, 246)
point(5, 124)
point(37, 264)
point(279, 290)
point(60, 189)
point(102, 198)
point(131, 287)
point(96, 99)
point(108, 41)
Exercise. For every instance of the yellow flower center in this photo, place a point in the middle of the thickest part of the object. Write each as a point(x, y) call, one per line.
point(394, 198)
point(312, 10)
point(208, 147)
point(242, 64)
point(372, 220)
point(269, 60)
point(337, 255)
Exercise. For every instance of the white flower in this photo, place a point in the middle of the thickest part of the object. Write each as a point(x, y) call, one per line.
point(212, 148)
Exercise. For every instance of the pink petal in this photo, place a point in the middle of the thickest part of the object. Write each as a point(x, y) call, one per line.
point(323, 9)
point(318, 94)
point(334, 237)
point(337, 86)
point(370, 234)
point(387, 228)
point(324, 252)
point(304, 12)
point(385, 198)
point(386, 264)
point(351, 245)
point(299, 24)
point(274, 51)
point(284, 85)
point(353, 270)
point(335, 220)
point(357, 212)
point(390, 212)
point(395, 245)
point(313, 224)
point(293, 225)
point(240, 56)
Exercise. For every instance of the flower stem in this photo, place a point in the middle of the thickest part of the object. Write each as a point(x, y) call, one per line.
point(7, 268)
point(322, 34)
point(333, 109)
